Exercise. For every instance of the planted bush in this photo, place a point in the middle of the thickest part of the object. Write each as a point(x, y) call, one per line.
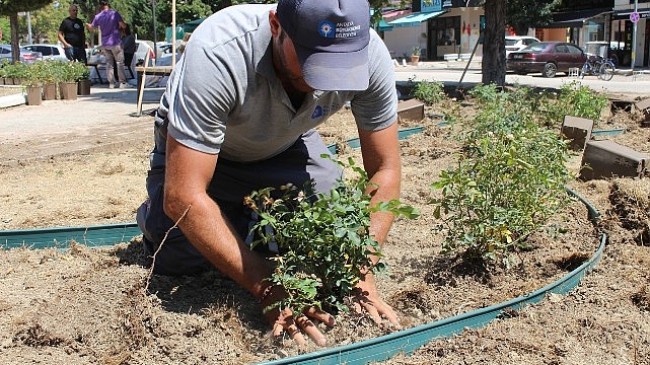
point(575, 100)
point(429, 92)
point(508, 181)
point(323, 239)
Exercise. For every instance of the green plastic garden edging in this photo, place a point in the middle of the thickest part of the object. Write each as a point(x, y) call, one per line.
point(376, 349)
point(607, 132)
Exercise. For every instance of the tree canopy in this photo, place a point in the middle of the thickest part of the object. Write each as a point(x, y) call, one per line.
point(9, 7)
point(524, 14)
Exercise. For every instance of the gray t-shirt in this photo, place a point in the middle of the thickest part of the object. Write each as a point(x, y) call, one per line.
point(224, 97)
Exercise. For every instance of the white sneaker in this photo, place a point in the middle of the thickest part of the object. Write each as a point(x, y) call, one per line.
point(124, 85)
point(111, 86)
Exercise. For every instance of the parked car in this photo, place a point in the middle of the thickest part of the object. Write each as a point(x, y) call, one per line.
point(25, 56)
point(141, 53)
point(49, 51)
point(516, 43)
point(549, 58)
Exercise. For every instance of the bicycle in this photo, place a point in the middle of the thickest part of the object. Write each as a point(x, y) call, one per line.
point(602, 67)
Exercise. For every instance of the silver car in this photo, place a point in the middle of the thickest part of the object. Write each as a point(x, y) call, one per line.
point(49, 51)
point(25, 55)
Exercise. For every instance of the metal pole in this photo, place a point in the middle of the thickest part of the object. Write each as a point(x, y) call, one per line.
point(173, 33)
point(29, 28)
point(634, 28)
point(155, 34)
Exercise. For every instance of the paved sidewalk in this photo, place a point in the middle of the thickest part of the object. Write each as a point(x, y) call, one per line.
point(60, 126)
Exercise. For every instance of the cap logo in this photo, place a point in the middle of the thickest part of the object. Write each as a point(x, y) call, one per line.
point(327, 29)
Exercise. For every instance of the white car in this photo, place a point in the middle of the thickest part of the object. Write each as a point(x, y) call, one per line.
point(25, 55)
point(516, 43)
point(49, 51)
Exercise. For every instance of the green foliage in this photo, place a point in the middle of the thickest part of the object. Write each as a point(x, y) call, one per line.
point(5, 29)
point(377, 5)
point(575, 100)
point(45, 21)
point(8, 7)
point(524, 14)
point(429, 92)
point(79, 71)
point(16, 70)
point(508, 181)
point(324, 239)
point(485, 94)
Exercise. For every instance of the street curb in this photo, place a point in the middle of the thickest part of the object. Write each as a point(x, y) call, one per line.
point(9, 101)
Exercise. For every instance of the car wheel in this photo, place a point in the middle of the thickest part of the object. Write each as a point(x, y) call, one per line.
point(550, 69)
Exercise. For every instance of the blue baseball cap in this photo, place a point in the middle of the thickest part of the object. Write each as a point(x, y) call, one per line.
point(331, 40)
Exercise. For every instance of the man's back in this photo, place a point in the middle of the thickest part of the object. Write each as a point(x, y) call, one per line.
point(108, 21)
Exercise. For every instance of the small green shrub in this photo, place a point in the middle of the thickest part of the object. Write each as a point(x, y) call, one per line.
point(485, 93)
point(429, 92)
point(576, 100)
point(323, 239)
point(508, 181)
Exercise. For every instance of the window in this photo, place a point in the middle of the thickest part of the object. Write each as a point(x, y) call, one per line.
point(573, 49)
point(561, 48)
point(46, 51)
point(447, 30)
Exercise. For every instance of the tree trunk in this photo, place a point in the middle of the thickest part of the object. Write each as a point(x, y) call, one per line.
point(494, 54)
point(15, 48)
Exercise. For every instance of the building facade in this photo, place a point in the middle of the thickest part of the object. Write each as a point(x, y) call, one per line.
point(435, 27)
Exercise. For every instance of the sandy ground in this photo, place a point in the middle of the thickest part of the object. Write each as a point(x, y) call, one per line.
point(84, 162)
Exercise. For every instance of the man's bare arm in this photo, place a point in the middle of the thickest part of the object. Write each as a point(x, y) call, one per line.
point(188, 174)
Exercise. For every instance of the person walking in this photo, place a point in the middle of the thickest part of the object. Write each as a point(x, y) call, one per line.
point(73, 36)
point(110, 24)
point(239, 114)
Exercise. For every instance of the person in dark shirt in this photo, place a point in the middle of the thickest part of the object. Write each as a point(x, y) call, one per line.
point(73, 36)
point(129, 46)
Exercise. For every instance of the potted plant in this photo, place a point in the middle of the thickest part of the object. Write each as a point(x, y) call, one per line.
point(15, 73)
point(3, 64)
point(67, 80)
point(47, 75)
point(33, 88)
point(415, 55)
point(82, 76)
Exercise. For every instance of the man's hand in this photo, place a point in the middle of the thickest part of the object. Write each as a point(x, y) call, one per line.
point(295, 326)
point(367, 299)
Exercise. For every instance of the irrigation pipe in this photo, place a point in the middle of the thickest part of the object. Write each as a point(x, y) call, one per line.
point(376, 349)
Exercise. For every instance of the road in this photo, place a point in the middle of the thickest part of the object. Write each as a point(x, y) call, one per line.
point(108, 115)
point(435, 71)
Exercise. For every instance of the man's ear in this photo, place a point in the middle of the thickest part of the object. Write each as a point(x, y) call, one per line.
point(276, 28)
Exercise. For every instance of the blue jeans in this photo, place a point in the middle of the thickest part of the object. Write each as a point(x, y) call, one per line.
point(76, 54)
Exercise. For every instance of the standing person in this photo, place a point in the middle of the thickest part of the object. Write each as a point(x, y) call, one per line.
point(238, 115)
point(110, 23)
point(129, 46)
point(73, 36)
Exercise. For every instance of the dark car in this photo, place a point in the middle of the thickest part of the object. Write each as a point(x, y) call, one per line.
point(549, 58)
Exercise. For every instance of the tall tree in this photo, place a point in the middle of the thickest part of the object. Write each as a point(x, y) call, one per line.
point(494, 54)
point(45, 21)
point(524, 14)
point(12, 8)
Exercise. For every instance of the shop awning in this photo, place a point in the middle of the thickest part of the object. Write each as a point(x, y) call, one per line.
point(574, 19)
point(414, 20)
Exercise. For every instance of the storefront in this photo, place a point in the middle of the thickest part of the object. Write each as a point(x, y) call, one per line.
point(622, 33)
